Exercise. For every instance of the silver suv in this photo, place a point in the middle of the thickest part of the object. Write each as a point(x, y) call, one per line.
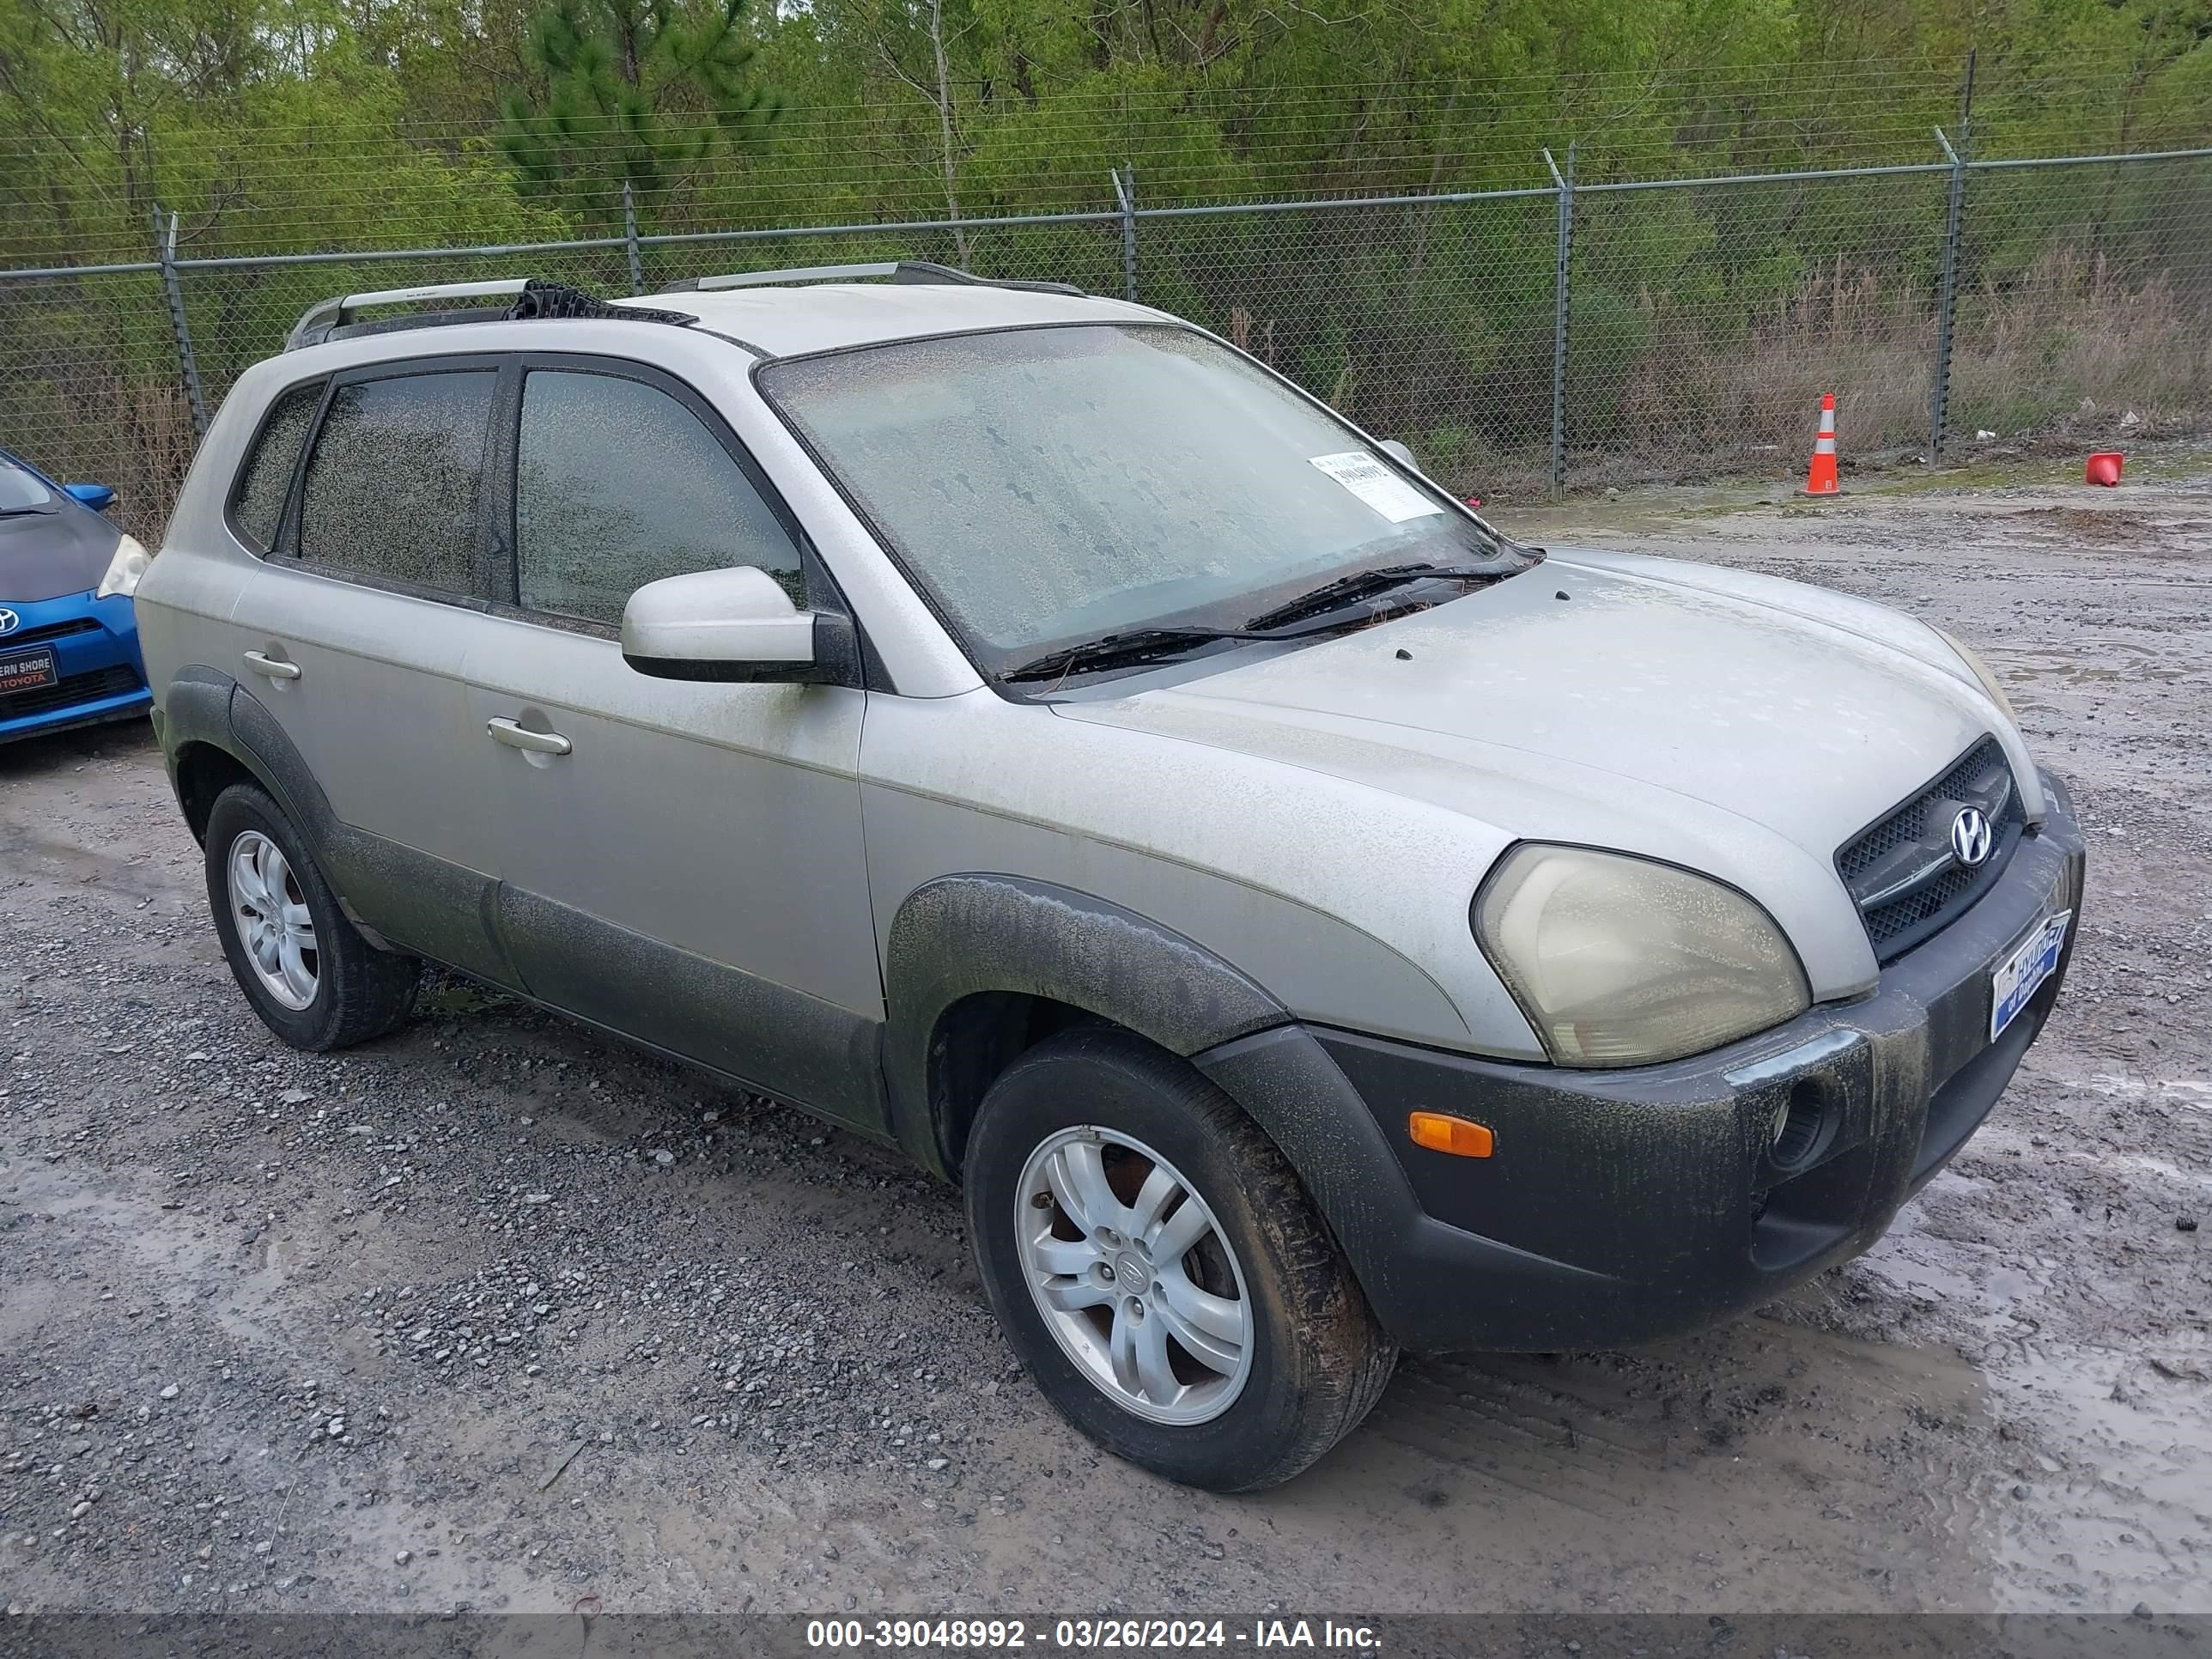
point(1020, 727)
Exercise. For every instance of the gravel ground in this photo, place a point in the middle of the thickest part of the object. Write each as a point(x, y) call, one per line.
point(490, 1314)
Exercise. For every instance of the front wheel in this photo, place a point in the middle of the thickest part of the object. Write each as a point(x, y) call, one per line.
point(1160, 1270)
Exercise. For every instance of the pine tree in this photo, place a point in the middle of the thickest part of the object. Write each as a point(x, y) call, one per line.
point(635, 90)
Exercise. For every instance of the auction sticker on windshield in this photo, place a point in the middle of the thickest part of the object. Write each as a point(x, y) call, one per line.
point(2017, 977)
point(1377, 485)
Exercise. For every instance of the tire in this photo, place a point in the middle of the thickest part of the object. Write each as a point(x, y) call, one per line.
point(352, 992)
point(1311, 1362)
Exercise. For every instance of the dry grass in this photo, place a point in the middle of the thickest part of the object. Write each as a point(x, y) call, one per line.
point(133, 433)
point(2074, 335)
point(154, 423)
point(1845, 330)
point(2071, 340)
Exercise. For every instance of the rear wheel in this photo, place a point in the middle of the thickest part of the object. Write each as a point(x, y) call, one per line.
point(1160, 1270)
point(314, 980)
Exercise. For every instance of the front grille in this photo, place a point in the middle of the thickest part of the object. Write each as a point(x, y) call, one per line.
point(52, 631)
point(111, 682)
point(1902, 872)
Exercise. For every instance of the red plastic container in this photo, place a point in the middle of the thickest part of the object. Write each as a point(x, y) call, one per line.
point(2104, 467)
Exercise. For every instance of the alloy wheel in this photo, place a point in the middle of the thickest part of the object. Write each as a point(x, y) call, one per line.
point(1133, 1275)
point(274, 923)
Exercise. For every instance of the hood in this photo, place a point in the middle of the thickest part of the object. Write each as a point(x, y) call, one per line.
point(61, 548)
point(1739, 725)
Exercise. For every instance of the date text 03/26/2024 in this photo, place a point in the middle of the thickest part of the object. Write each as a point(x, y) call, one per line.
point(1013, 1635)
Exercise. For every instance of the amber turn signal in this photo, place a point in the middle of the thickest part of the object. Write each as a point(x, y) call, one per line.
point(1441, 1133)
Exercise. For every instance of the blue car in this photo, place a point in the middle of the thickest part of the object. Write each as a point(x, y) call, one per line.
point(69, 642)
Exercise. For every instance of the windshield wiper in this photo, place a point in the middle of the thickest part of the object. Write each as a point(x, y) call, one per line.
point(1122, 650)
point(1362, 583)
point(1143, 645)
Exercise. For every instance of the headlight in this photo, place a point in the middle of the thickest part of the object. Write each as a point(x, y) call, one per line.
point(1981, 671)
point(124, 569)
point(1617, 961)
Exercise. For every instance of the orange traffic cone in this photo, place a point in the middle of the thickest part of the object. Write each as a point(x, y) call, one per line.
point(1821, 478)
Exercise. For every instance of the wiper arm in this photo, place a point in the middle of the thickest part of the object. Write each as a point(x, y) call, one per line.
point(1119, 650)
point(1361, 583)
point(1155, 644)
point(1142, 645)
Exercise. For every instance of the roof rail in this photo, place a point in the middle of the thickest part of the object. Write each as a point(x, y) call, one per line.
point(899, 270)
point(777, 278)
point(319, 318)
point(531, 296)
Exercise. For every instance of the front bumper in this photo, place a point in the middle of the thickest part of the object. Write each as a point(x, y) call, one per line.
point(95, 645)
point(1621, 1206)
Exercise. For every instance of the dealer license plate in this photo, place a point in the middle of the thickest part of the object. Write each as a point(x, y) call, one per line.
point(27, 668)
point(2017, 978)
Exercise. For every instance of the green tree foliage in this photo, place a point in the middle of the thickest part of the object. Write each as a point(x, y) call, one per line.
point(291, 125)
point(631, 90)
point(286, 124)
point(265, 126)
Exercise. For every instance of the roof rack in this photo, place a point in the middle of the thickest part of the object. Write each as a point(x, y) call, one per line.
point(530, 296)
point(899, 270)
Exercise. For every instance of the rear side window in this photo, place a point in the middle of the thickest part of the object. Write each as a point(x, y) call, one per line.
point(395, 479)
point(618, 485)
point(258, 502)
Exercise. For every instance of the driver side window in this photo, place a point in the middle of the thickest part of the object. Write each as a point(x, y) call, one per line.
point(618, 484)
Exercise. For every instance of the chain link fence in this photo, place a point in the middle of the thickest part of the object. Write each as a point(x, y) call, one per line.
point(1521, 340)
point(2086, 296)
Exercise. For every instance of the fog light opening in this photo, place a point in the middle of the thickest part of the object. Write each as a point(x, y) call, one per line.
point(1799, 1126)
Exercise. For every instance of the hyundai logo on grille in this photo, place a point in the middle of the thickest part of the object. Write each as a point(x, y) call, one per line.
point(1971, 839)
point(8, 620)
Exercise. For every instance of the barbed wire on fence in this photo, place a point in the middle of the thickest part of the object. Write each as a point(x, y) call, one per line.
point(350, 182)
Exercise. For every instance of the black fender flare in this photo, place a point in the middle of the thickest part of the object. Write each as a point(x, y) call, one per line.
point(197, 710)
point(960, 935)
point(272, 756)
point(206, 706)
point(399, 898)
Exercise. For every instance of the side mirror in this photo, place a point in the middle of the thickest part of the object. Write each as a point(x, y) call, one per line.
point(1398, 453)
point(733, 624)
point(98, 497)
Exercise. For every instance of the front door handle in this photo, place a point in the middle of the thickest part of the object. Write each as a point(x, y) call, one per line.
point(274, 668)
point(503, 730)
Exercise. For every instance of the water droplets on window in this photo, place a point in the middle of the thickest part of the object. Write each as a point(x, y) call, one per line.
point(618, 485)
point(394, 485)
point(266, 478)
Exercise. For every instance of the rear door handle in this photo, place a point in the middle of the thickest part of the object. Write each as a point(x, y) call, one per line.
point(274, 668)
point(503, 730)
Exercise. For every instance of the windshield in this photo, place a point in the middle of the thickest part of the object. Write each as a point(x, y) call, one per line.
point(1048, 486)
point(21, 491)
